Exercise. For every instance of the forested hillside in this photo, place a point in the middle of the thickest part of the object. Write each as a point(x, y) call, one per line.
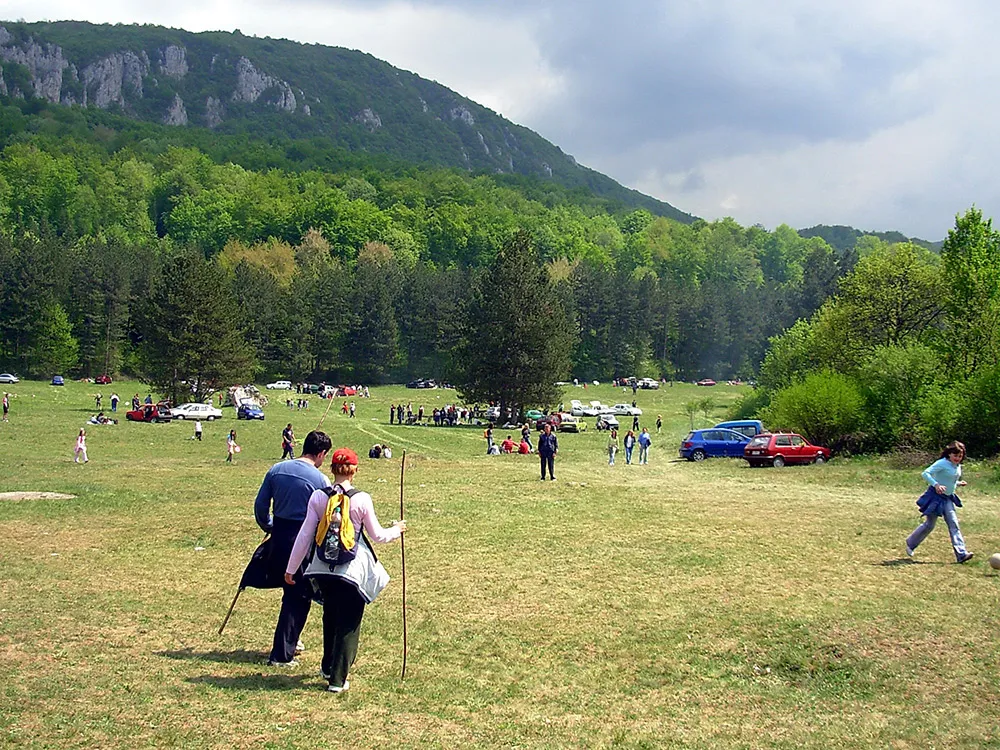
point(362, 268)
point(274, 89)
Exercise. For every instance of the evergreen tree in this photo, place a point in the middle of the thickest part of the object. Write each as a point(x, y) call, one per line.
point(192, 338)
point(517, 337)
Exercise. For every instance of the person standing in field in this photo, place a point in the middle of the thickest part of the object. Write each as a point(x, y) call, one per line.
point(628, 442)
point(488, 434)
point(197, 430)
point(279, 509)
point(548, 447)
point(348, 587)
point(6, 405)
point(942, 477)
point(97, 401)
point(114, 401)
point(612, 446)
point(659, 423)
point(231, 446)
point(644, 443)
point(81, 447)
point(287, 442)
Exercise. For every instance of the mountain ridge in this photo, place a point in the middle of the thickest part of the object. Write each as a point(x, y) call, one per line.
point(234, 84)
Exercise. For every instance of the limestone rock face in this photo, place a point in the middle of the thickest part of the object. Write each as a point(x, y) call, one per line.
point(173, 62)
point(369, 119)
point(252, 83)
point(176, 114)
point(106, 81)
point(213, 112)
point(44, 63)
point(462, 113)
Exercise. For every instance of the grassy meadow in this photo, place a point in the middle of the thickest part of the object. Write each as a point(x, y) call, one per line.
point(671, 605)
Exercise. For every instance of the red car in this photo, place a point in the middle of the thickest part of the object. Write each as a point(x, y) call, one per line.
point(150, 413)
point(780, 448)
point(706, 381)
point(102, 379)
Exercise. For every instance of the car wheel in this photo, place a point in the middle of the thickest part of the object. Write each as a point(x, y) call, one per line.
point(698, 455)
point(819, 459)
point(778, 462)
point(211, 417)
point(154, 420)
point(179, 416)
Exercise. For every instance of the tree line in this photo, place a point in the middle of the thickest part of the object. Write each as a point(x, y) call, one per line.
point(362, 275)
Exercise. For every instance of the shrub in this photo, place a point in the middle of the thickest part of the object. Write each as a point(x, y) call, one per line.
point(825, 407)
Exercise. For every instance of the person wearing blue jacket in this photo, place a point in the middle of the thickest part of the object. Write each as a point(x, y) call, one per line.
point(548, 447)
point(942, 477)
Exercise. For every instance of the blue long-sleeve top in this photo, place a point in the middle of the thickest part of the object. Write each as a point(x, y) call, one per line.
point(943, 472)
point(288, 484)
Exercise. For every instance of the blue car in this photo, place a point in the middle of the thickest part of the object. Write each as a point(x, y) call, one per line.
point(249, 411)
point(713, 443)
point(57, 380)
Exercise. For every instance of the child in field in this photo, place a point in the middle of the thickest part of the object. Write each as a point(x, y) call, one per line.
point(942, 477)
point(345, 588)
point(81, 447)
point(231, 446)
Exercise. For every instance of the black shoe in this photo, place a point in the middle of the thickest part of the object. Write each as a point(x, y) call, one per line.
point(966, 557)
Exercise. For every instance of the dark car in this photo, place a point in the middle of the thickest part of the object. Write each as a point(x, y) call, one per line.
point(780, 448)
point(422, 383)
point(150, 413)
point(57, 380)
point(249, 411)
point(553, 420)
point(713, 443)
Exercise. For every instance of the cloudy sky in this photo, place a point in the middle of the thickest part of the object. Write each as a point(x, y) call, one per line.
point(879, 114)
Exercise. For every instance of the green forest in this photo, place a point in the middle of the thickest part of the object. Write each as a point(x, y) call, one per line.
point(129, 248)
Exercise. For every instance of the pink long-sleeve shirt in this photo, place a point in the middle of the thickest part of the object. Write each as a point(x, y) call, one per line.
point(362, 515)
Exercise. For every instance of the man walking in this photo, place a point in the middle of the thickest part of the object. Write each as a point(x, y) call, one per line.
point(6, 405)
point(548, 446)
point(280, 509)
point(114, 401)
point(287, 442)
point(644, 443)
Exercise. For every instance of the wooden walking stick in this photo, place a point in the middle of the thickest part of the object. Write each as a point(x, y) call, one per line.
point(230, 612)
point(402, 558)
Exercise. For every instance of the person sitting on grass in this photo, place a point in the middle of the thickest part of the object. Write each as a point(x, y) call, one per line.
point(346, 588)
point(524, 448)
point(507, 446)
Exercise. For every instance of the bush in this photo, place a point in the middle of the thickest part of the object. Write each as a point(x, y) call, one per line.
point(938, 412)
point(978, 421)
point(893, 380)
point(825, 407)
point(750, 404)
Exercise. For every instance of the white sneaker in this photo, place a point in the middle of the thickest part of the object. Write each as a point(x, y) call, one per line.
point(338, 688)
point(299, 648)
point(282, 664)
point(909, 552)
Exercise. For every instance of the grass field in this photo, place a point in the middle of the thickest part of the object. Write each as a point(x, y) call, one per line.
point(670, 605)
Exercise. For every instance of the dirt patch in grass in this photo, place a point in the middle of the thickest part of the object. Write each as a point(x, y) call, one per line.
point(35, 496)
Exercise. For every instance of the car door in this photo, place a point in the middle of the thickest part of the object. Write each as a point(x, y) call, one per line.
point(799, 450)
point(783, 447)
point(715, 442)
point(735, 443)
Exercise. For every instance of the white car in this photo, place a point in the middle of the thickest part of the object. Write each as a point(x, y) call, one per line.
point(649, 383)
point(626, 410)
point(279, 385)
point(596, 409)
point(8, 379)
point(576, 408)
point(196, 411)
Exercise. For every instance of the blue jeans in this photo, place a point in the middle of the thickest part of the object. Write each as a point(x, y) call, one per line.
point(628, 454)
point(643, 454)
point(950, 518)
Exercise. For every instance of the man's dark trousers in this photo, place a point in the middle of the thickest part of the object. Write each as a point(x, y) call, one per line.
point(549, 460)
point(296, 601)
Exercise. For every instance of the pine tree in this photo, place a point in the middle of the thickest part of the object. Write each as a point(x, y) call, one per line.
point(517, 337)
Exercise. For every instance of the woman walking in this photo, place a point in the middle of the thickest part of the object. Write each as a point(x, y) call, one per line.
point(231, 446)
point(942, 477)
point(81, 447)
point(612, 446)
point(346, 588)
point(629, 443)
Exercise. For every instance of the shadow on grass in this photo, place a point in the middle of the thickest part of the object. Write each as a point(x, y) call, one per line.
point(904, 561)
point(253, 682)
point(226, 657)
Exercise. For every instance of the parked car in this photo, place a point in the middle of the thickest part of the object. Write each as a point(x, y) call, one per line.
point(57, 380)
point(748, 427)
point(103, 379)
point(705, 381)
point(533, 414)
point(606, 422)
point(569, 423)
point(554, 419)
point(279, 385)
point(576, 408)
point(780, 448)
point(196, 411)
point(649, 383)
point(626, 410)
point(249, 411)
point(150, 413)
point(8, 379)
point(713, 443)
point(422, 383)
